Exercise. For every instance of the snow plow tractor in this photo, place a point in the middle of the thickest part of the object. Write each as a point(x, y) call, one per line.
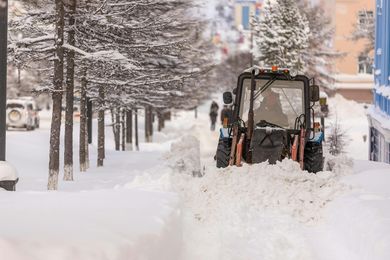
point(272, 119)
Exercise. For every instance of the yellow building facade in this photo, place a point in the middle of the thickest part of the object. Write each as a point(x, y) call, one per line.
point(354, 70)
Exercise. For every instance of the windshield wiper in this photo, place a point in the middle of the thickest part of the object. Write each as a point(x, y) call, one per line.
point(264, 88)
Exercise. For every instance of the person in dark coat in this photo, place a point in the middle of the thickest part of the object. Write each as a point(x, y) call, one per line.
point(226, 113)
point(213, 114)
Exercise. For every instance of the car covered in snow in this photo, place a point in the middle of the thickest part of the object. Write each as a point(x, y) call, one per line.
point(22, 113)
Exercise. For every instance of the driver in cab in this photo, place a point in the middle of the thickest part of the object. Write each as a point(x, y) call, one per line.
point(271, 110)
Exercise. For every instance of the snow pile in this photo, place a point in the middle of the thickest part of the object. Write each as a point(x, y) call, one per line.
point(229, 213)
point(341, 164)
point(185, 155)
point(283, 187)
point(262, 187)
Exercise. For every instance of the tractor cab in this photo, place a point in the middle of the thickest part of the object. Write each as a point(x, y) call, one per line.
point(273, 119)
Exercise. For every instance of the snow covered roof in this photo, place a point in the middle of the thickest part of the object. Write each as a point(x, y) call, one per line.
point(17, 101)
point(354, 85)
point(354, 77)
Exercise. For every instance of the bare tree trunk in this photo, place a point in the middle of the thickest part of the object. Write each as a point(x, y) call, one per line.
point(117, 129)
point(19, 81)
point(129, 130)
point(146, 124)
point(86, 144)
point(123, 121)
point(101, 135)
point(83, 119)
point(68, 142)
point(151, 120)
point(55, 130)
point(136, 128)
point(196, 112)
point(161, 121)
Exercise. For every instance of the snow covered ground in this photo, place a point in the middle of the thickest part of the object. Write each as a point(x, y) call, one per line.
point(148, 205)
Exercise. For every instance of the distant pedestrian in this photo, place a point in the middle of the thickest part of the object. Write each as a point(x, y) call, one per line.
point(213, 114)
point(226, 113)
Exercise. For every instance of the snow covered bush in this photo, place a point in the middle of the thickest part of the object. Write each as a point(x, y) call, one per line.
point(336, 139)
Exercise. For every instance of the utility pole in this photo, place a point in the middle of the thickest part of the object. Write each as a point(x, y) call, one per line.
point(3, 74)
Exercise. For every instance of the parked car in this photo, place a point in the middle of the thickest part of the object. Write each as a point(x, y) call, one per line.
point(20, 114)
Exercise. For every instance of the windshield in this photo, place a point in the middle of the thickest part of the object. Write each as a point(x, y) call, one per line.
point(280, 103)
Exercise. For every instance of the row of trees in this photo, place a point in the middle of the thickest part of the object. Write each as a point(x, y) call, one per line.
point(123, 55)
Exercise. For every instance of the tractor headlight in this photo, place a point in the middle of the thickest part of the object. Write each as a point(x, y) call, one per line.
point(256, 71)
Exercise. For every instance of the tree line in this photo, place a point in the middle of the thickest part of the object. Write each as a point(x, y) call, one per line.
point(124, 56)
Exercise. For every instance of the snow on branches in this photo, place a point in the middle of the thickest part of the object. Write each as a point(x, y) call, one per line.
point(149, 44)
point(297, 35)
point(282, 35)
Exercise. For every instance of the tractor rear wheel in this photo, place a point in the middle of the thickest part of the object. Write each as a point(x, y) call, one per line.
point(223, 152)
point(313, 160)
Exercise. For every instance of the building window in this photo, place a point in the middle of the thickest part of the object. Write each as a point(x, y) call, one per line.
point(245, 17)
point(365, 17)
point(379, 148)
point(365, 64)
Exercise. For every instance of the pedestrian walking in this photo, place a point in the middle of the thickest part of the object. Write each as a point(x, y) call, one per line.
point(213, 114)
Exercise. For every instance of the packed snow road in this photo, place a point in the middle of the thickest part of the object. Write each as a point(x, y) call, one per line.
point(148, 205)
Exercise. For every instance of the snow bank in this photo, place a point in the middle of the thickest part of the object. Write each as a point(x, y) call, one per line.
point(359, 221)
point(96, 225)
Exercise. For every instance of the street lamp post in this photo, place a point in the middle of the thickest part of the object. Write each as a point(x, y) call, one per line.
point(3, 74)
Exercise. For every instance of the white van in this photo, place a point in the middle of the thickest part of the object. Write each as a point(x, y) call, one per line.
point(20, 114)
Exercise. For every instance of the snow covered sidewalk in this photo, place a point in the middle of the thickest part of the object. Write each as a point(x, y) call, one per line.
point(95, 225)
point(94, 217)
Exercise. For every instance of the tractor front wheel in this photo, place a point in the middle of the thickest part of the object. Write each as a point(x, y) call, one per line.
point(313, 160)
point(223, 152)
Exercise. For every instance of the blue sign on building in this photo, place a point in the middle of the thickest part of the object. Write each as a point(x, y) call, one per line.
point(379, 114)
